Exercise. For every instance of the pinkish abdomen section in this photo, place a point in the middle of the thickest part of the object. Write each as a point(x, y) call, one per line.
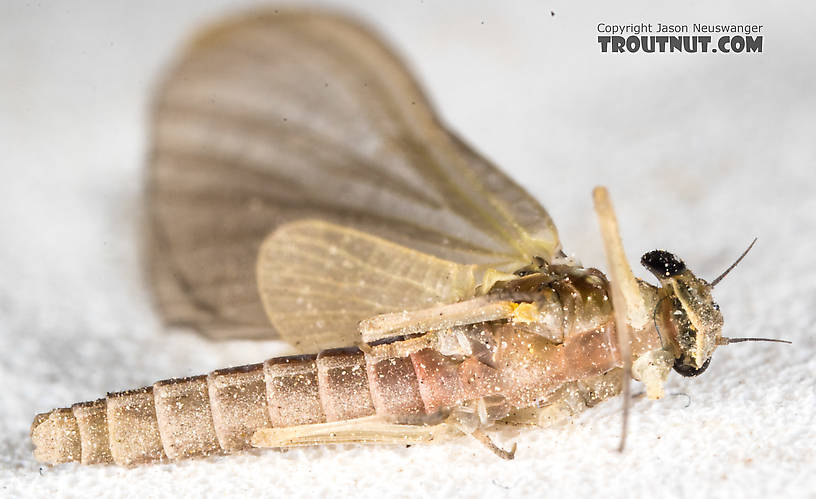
point(219, 412)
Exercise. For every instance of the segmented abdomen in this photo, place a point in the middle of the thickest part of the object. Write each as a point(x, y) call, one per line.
point(219, 412)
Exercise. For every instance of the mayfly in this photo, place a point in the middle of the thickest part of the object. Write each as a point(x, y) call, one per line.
point(301, 187)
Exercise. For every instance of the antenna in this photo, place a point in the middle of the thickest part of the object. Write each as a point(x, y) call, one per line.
point(728, 341)
point(721, 276)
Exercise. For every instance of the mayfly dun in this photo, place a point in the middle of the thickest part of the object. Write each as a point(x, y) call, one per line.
point(301, 187)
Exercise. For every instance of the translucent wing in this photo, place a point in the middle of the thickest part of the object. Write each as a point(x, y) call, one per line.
point(317, 280)
point(276, 117)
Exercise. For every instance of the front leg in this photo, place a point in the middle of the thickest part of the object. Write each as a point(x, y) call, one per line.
point(629, 307)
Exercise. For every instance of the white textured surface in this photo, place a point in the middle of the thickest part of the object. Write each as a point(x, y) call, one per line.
point(701, 153)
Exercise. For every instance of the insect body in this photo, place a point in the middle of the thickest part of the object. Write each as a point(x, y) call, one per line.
point(465, 376)
point(533, 349)
point(301, 187)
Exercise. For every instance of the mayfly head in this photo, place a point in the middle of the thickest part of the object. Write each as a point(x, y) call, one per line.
point(691, 322)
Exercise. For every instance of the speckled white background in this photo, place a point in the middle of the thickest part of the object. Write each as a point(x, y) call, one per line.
point(701, 153)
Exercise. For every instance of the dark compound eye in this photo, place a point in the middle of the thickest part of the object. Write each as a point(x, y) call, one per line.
point(662, 263)
point(689, 371)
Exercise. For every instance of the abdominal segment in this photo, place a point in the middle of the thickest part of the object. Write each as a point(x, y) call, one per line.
point(219, 412)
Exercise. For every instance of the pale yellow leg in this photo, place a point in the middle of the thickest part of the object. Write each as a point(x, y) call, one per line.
point(622, 279)
point(480, 309)
point(367, 430)
point(630, 310)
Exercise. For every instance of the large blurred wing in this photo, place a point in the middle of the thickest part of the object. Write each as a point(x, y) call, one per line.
point(275, 117)
point(318, 279)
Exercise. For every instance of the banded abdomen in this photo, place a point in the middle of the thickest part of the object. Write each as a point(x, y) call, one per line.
point(207, 414)
point(219, 412)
